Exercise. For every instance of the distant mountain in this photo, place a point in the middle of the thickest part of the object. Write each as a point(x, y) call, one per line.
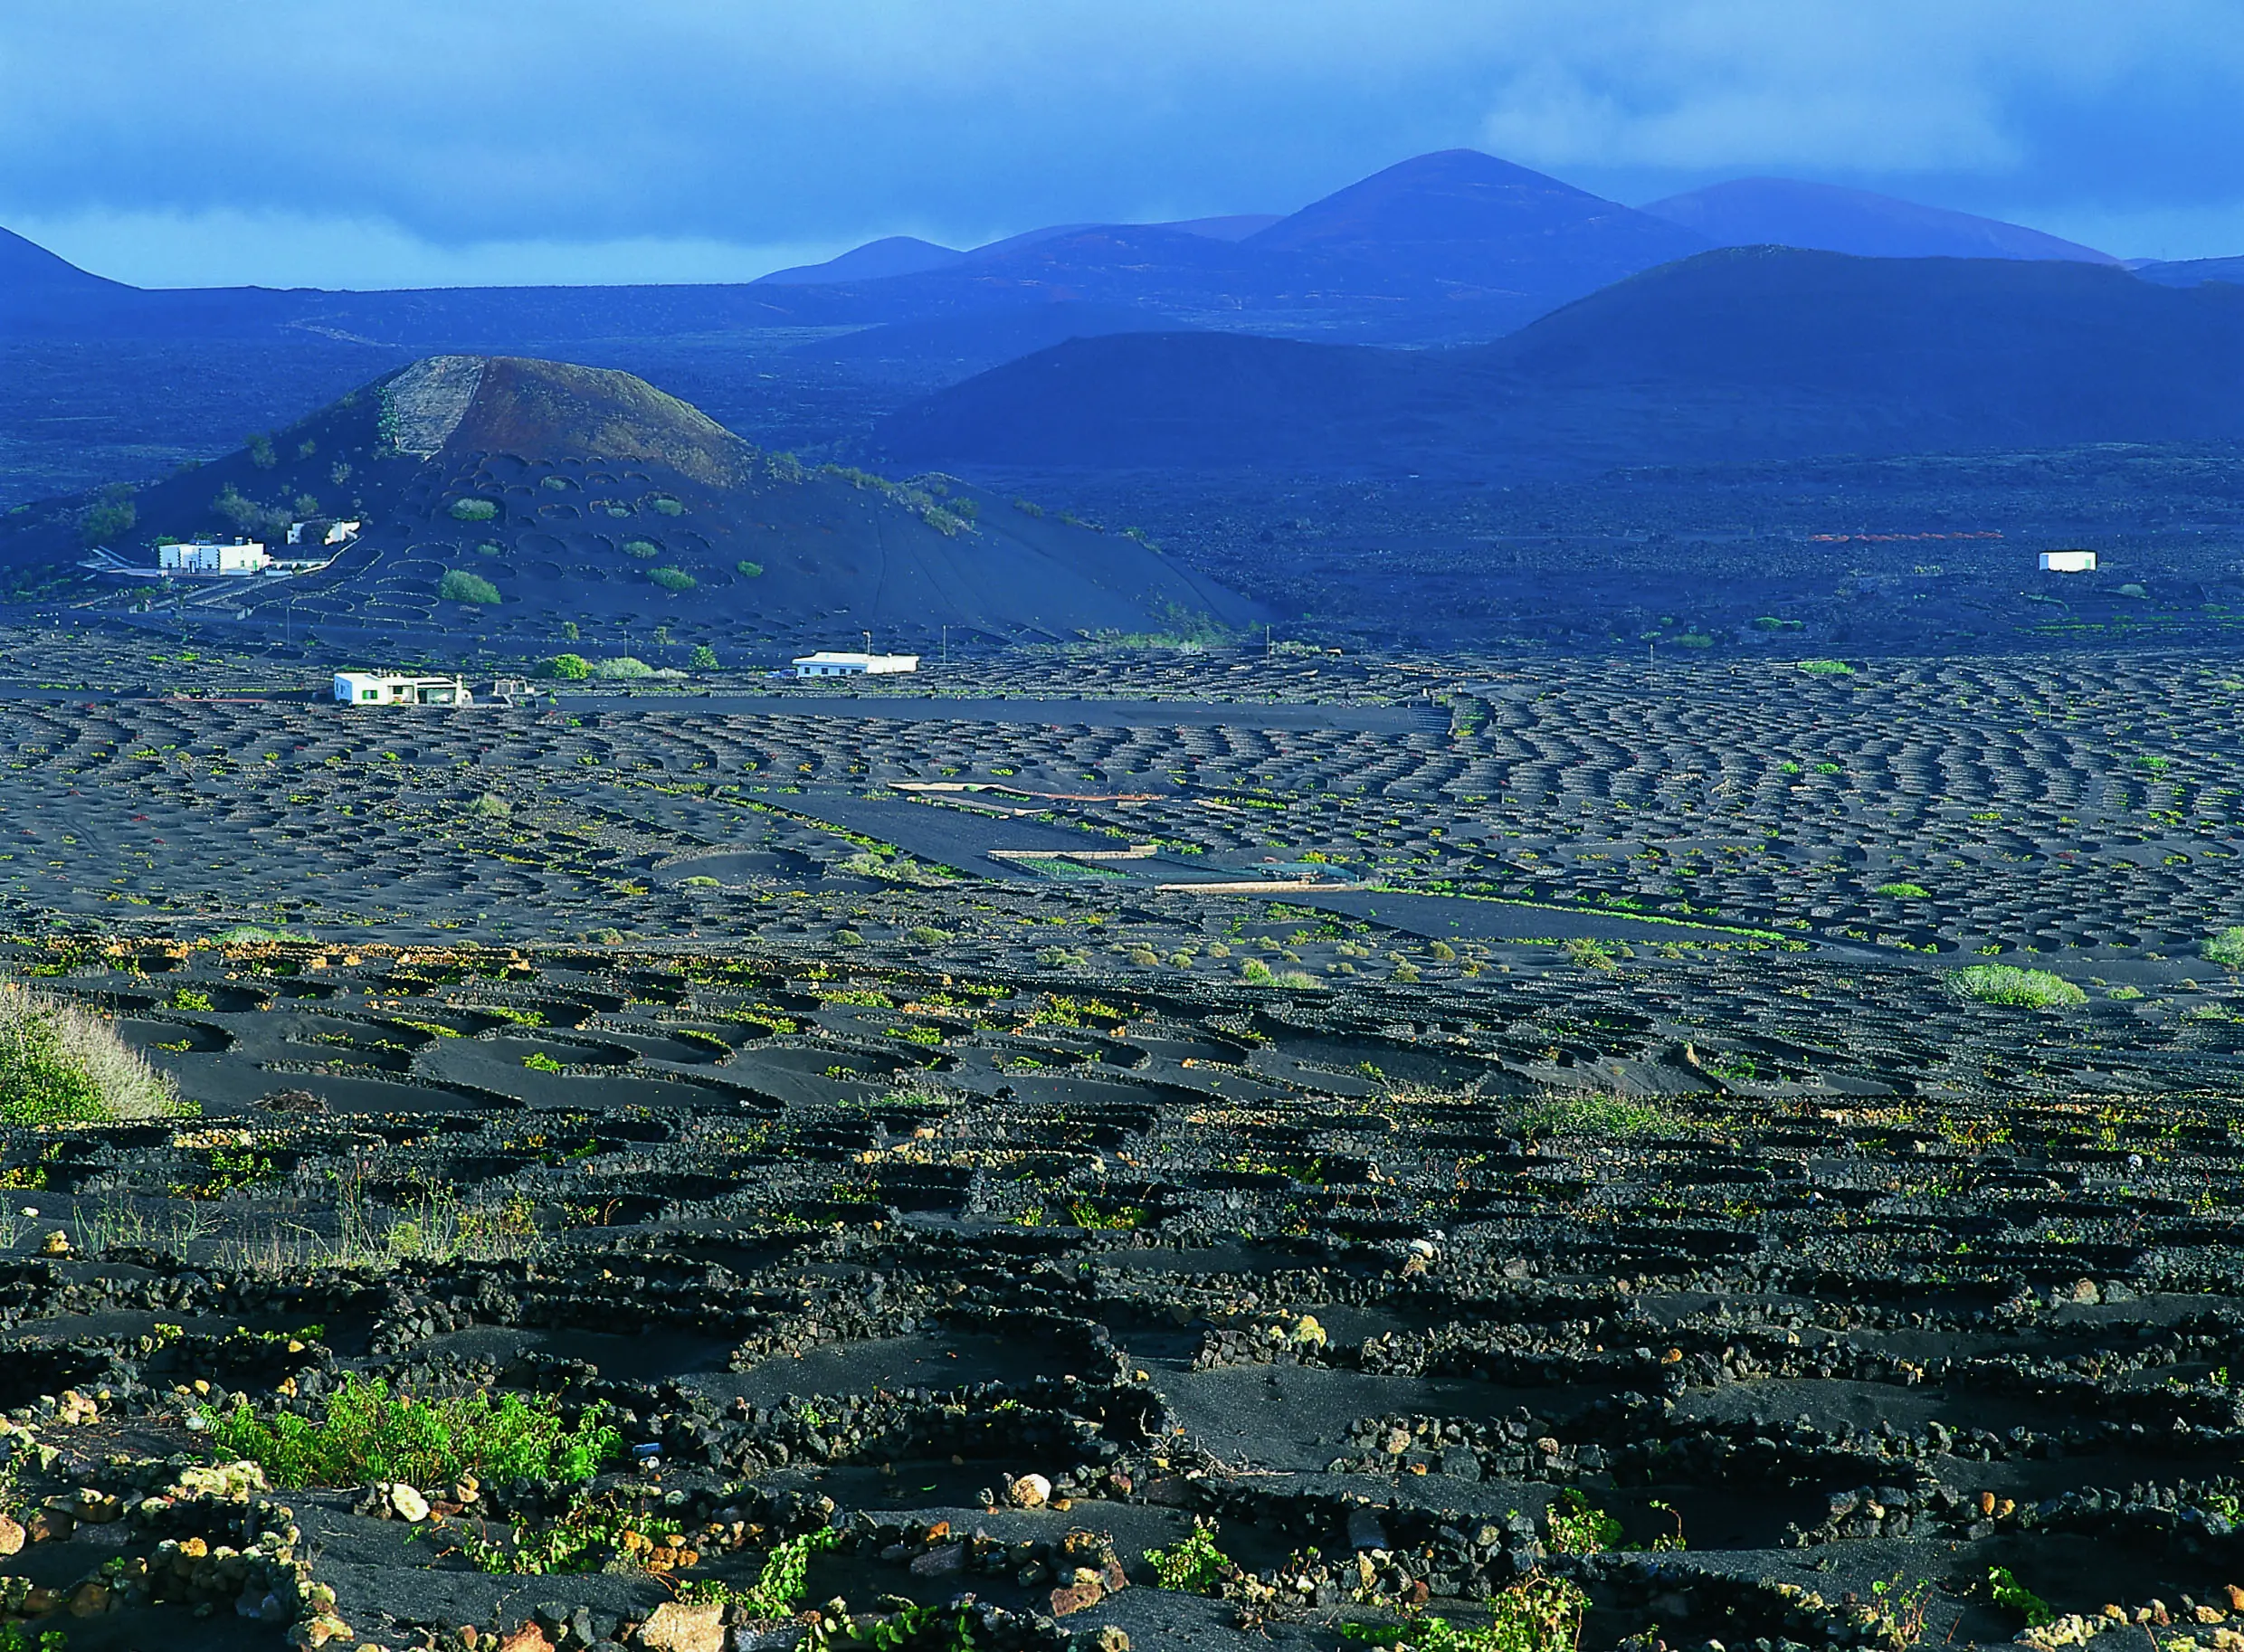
point(957, 347)
point(1788, 213)
point(874, 261)
point(1460, 219)
point(587, 495)
point(1761, 353)
point(906, 255)
point(2190, 272)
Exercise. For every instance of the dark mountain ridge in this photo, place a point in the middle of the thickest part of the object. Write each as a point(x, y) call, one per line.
point(1760, 353)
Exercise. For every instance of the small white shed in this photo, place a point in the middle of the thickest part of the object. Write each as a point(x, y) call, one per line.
point(2069, 562)
point(827, 663)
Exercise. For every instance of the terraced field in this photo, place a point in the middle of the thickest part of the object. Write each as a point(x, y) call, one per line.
point(1576, 1201)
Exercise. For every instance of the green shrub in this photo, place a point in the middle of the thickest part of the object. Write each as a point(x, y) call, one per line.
point(750, 570)
point(474, 510)
point(927, 935)
point(1827, 668)
point(1576, 1526)
point(368, 1433)
point(646, 550)
point(259, 450)
point(667, 506)
point(459, 586)
point(703, 658)
point(2227, 947)
point(2008, 1592)
point(623, 667)
point(1193, 1565)
point(672, 579)
point(1904, 891)
point(1537, 1614)
point(62, 1064)
point(568, 668)
point(2004, 984)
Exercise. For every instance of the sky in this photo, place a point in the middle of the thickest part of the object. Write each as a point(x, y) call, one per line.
point(442, 142)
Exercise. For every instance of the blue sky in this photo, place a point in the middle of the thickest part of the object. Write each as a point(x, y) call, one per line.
point(408, 142)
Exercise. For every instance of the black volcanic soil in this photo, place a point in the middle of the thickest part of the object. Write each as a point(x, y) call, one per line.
point(616, 1055)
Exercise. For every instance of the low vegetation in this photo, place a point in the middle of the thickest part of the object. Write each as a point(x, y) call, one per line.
point(459, 586)
point(368, 1433)
point(1537, 1614)
point(1596, 1115)
point(1904, 890)
point(63, 1064)
point(672, 579)
point(474, 510)
point(2227, 948)
point(1827, 668)
point(2005, 984)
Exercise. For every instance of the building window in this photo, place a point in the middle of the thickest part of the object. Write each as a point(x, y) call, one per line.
point(369, 694)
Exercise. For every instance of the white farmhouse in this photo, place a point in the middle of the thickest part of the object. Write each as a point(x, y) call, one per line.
point(245, 557)
point(399, 688)
point(827, 663)
point(2069, 562)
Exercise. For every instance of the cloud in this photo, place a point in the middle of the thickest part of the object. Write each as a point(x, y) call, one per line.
point(228, 247)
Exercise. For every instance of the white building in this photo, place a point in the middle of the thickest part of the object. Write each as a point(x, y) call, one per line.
point(827, 663)
point(334, 533)
point(400, 688)
point(243, 558)
point(2069, 562)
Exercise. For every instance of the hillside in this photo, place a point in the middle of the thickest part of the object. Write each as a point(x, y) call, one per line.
point(589, 497)
point(1764, 353)
point(955, 347)
point(1824, 217)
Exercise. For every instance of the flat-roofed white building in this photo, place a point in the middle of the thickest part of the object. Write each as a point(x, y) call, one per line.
point(245, 557)
point(399, 688)
point(828, 663)
point(2069, 562)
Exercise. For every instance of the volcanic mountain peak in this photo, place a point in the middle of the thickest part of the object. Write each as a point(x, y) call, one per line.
point(1451, 196)
point(563, 495)
point(555, 410)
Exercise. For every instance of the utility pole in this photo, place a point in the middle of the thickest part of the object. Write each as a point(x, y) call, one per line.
point(947, 645)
